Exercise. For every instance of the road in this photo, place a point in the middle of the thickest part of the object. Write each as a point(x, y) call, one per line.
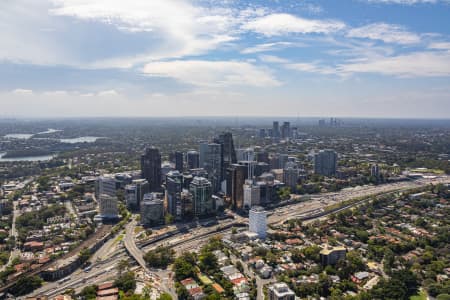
point(137, 254)
point(260, 283)
point(321, 201)
point(104, 263)
point(13, 234)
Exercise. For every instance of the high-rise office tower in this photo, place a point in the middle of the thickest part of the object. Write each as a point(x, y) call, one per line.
point(152, 210)
point(236, 175)
point(325, 162)
point(203, 202)
point(262, 133)
point(276, 130)
point(282, 160)
point(131, 198)
point(257, 220)
point(174, 187)
point(192, 160)
point(291, 175)
point(228, 152)
point(134, 193)
point(251, 194)
point(179, 161)
point(108, 206)
point(106, 185)
point(286, 130)
point(203, 149)
point(213, 165)
point(151, 168)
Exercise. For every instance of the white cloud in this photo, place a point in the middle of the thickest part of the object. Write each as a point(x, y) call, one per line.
point(313, 67)
point(440, 45)
point(180, 27)
point(387, 33)
point(417, 64)
point(23, 92)
point(273, 59)
point(281, 24)
point(212, 73)
point(108, 93)
point(405, 2)
point(269, 47)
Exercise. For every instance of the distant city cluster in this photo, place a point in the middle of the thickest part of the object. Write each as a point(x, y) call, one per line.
point(200, 184)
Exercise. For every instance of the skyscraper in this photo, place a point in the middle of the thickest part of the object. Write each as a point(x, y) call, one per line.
point(252, 194)
point(192, 160)
point(108, 206)
point(179, 161)
point(213, 165)
point(106, 185)
point(235, 184)
point(203, 203)
point(276, 130)
point(151, 168)
point(203, 149)
point(291, 175)
point(258, 221)
point(174, 187)
point(325, 162)
point(286, 130)
point(229, 153)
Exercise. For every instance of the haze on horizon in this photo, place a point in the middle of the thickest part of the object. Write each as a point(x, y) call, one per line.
point(355, 58)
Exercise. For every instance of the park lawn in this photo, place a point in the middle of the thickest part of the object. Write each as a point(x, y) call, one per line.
point(205, 279)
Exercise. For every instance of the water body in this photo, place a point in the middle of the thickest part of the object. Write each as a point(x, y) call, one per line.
point(82, 139)
point(19, 136)
point(26, 136)
point(50, 130)
point(26, 158)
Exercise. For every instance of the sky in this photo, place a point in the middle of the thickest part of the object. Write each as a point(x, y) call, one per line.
point(341, 58)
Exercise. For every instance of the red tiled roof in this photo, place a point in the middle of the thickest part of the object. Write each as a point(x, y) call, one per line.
point(108, 292)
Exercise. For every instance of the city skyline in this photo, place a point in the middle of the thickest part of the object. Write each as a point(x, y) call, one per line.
point(362, 58)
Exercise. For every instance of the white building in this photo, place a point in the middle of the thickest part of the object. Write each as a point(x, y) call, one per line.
point(258, 221)
point(251, 194)
point(106, 185)
point(108, 206)
point(280, 291)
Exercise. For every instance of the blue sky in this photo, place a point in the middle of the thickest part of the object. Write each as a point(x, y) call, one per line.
point(368, 58)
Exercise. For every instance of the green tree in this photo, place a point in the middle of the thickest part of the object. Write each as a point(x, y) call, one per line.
point(25, 285)
point(126, 282)
point(165, 296)
point(160, 257)
point(89, 292)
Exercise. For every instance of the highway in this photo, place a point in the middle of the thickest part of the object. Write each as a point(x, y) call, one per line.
point(103, 263)
point(319, 202)
point(165, 284)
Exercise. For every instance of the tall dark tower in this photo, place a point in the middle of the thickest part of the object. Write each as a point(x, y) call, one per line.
point(179, 161)
point(192, 160)
point(276, 130)
point(228, 152)
point(151, 168)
